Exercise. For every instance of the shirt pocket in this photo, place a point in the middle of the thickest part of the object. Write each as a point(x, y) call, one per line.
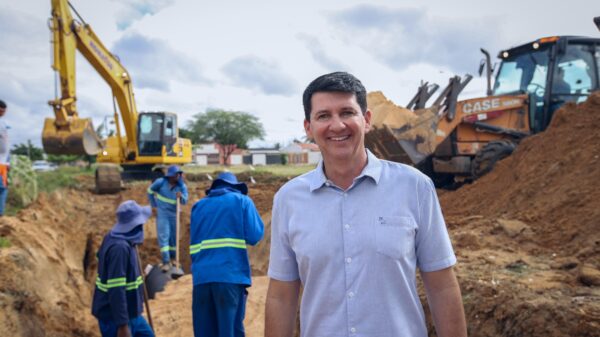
point(395, 236)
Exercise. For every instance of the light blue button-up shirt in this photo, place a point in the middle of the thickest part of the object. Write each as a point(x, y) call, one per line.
point(356, 251)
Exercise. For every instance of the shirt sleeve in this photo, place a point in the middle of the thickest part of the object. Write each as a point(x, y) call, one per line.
point(153, 188)
point(184, 194)
point(117, 259)
point(433, 247)
point(253, 224)
point(282, 260)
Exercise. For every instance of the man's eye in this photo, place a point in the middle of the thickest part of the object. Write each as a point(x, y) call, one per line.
point(322, 117)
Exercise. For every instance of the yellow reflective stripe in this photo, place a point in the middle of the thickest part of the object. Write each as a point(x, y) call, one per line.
point(217, 243)
point(150, 191)
point(165, 199)
point(164, 249)
point(119, 282)
point(135, 284)
point(116, 280)
point(172, 248)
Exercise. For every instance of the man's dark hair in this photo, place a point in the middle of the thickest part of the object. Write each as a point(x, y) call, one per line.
point(335, 82)
point(2, 104)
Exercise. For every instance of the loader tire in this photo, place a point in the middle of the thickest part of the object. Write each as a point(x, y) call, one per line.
point(489, 155)
point(108, 179)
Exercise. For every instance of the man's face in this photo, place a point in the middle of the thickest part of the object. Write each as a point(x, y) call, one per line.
point(2, 111)
point(337, 125)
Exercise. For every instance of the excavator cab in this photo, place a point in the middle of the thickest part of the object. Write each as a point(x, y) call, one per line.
point(155, 130)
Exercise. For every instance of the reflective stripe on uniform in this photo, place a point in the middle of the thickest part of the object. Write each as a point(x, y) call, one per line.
point(167, 248)
point(165, 199)
point(119, 282)
point(161, 197)
point(217, 243)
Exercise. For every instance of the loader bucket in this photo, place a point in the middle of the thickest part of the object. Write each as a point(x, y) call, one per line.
point(77, 138)
point(399, 134)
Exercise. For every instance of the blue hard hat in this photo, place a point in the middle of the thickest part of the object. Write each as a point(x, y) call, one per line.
point(228, 179)
point(173, 170)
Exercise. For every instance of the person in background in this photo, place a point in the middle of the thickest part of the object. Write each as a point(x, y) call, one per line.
point(353, 233)
point(4, 158)
point(222, 224)
point(118, 295)
point(163, 194)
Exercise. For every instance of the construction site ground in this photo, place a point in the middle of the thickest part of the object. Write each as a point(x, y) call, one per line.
point(527, 238)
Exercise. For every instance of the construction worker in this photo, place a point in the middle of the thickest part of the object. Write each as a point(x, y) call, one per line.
point(4, 158)
point(163, 195)
point(118, 296)
point(222, 224)
point(353, 232)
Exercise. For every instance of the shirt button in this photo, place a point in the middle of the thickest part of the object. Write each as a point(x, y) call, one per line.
point(348, 259)
point(353, 330)
point(350, 294)
point(347, 226)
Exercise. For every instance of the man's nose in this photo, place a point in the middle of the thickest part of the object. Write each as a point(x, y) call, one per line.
point(337, 123)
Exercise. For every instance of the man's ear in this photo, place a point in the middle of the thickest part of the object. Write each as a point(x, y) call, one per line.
point(307, 129)
point(367, 116)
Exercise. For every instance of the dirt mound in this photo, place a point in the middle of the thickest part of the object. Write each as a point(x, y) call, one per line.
point(527, 235)
point(551, 182)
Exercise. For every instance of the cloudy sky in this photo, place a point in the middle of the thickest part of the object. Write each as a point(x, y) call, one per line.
point(187, 56)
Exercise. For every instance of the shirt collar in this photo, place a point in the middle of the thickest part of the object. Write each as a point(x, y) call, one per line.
point(317, 177)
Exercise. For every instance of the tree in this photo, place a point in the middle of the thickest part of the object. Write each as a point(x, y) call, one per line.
point(29, 150)
point(229, 129)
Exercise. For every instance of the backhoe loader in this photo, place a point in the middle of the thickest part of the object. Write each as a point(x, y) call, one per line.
point(455, 141)
point(150, 139)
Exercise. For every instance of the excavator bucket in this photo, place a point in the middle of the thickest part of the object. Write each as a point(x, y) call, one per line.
point(78, 137)
point(399, 134)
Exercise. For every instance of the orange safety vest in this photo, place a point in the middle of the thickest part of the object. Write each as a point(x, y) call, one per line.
point(4, 174)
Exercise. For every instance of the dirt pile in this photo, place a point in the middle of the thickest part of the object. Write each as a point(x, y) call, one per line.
point(528, 234)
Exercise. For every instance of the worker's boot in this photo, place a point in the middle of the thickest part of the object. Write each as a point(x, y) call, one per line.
point(165, 267)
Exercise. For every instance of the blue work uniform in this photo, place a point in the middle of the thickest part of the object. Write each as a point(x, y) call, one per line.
point(118, 295)
point(163, 196)
point(221, 226)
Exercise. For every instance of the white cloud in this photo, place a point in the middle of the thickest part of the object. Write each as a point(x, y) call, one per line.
point(154, 64)
point(134, 10)
point(256, 73)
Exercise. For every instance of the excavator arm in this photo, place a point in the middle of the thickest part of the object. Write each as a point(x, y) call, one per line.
point(67, 133)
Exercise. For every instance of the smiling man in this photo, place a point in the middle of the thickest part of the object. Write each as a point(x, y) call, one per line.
point(353, 233)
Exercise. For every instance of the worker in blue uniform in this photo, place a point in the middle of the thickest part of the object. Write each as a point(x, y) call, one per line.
point(118, 295)
point(163, 195)
point(222, 224)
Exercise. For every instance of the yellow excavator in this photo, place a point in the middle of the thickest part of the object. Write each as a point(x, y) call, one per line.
point(455, 141)
point(150, 139)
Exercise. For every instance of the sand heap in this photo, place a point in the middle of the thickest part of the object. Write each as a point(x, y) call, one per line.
point(528, 234)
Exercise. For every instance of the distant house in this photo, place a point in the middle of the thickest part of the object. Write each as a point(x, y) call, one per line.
point(263, 156)
point(206, 154)
point(213, 154)
point(302, 153)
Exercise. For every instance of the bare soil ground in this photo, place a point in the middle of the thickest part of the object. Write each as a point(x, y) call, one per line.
point(526, 236)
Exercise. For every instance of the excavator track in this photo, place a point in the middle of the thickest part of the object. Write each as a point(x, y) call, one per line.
point(108, 179)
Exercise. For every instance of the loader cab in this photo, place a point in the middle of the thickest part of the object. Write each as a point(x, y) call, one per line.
point(553, 71)
point(156, 129)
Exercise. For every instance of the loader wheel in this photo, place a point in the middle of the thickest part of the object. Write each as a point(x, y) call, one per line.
point(489, 155)
point(108, 179)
